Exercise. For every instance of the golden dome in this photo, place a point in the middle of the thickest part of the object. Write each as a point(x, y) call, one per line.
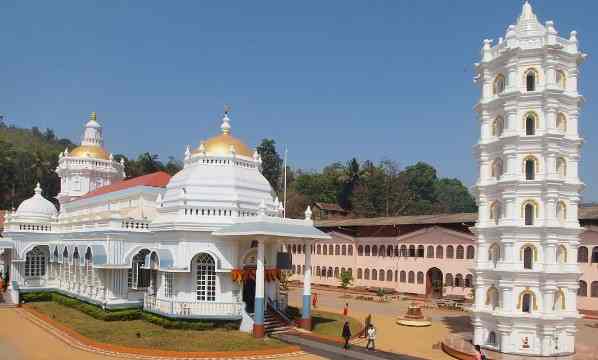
point(89, 151)
point(220, 145)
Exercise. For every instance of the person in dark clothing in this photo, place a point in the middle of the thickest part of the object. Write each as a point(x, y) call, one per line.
point(346, 334)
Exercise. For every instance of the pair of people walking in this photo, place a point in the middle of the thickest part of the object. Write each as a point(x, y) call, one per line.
point(370, 333)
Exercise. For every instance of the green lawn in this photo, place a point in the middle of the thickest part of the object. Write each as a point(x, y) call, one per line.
point(142, 334)
point(331, 324)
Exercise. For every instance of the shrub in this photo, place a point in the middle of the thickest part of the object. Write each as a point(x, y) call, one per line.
point(36, 296)
point(189, 324)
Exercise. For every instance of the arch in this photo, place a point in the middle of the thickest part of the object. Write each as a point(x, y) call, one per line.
point(561, 254)
point(594, 289)
point(583, 288)
point(36, 261)
point(434, 283)
point(350, 249)
point(561, 79)
point(367, 250)
point(318, 273)
point(498, 126)
point(396, 275)
point(344, 250)
point(527, 301)
point(330, 249)
point(460, 252)
point(528, 254)
point(404, 250)
point(595, 255)
point(495, 212)
point(396, 250)
point(561, 122)
point(439, 252)
point(450, 250)
point(531, 78)
point(497, 169)
point(381, 275)
point(448, 280)
point(360, 250)
point(531, 167)
point(530, 123)
point(382, 250)
point(470, 252)
point(498, 86)
point(459, 280)
point(389, 251)
point(374, 250)
point(494, 253)
point(325, 249)
point(430, 252)
point(420, 277)
point(412, 251)
point(388, 275)
point(411, 277)
point(492, 297)
point(330, 272)
point(403, 276)
point(318, 249)
point(336, 272)
point(492, 339)
point(420, 251)
point(529, 212)
point(366, 274)
point(561, 167)
point(204, 268)
point(582, 255)
point(374, 274)
point(561, 211)
point(337, 250)
point(294, 249)
point(359, 274)
point(468, 280)
point(559, 300)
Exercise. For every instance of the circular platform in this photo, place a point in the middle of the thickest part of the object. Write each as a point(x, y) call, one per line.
point(413, 322)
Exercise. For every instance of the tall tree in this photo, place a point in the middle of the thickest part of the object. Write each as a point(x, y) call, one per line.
point(271, 163)
point(453, 197)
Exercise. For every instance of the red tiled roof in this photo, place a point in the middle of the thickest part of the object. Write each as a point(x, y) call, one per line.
point(157, 179)
point(329, 206)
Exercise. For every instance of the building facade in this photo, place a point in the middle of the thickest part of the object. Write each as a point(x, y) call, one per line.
point(528, 190)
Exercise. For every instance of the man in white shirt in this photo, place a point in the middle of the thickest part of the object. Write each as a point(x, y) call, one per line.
point(371, 333)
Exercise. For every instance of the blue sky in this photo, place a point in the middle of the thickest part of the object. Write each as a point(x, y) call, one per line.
point(330, 79)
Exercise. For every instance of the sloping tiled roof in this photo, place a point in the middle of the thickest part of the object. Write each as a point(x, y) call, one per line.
point(585, 213)
point(329, 206)
point(157, 179)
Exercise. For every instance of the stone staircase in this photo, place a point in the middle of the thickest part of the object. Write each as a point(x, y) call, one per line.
point(274, 323)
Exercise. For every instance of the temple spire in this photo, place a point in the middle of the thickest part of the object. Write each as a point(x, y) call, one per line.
point(225, 127)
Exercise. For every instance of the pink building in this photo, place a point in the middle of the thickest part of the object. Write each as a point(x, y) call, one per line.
point(430, 255)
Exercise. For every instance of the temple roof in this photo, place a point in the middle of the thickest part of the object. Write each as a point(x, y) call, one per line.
point(157, 179)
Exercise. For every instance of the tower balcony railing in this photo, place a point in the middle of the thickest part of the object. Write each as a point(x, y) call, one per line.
point(192, 310)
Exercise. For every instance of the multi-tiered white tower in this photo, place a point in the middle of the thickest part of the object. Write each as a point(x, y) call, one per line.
point(88, 166)
point(528, 190)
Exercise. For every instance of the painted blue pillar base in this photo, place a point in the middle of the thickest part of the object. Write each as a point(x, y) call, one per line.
point(305, 322)
point(259, 311)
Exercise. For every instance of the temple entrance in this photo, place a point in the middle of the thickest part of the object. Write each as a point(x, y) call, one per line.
point(249, 294)
point(434, 283)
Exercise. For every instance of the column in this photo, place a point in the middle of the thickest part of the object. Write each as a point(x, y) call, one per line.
point(258, 324)
point(306, 313)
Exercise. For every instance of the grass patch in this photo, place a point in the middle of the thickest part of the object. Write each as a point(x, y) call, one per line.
point(327, 323)
point(142, 334)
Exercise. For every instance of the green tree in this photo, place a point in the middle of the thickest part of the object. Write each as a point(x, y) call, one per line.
point(453, 197)
point(346, 279)
point(272, 165)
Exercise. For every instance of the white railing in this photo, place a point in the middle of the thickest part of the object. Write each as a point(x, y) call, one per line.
point(185, 309)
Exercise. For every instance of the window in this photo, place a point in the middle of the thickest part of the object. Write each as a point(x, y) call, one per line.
point(583, 288)
point(494, 253)
point(35, 263)
point(344, 250)
point(531, 80)
point(411, 277)
point(529, 211)
point(412, 250)
point(359, 274)
point(360, 250)
point(396, 275)
point(459, 280)
point(168, 282)
point(497, 168)
point(389, 251)
point(561, 167)
point(388, 275)
point(448, 279)
point(330, 249)
point(561, 211)
point(439, 252)
point(470, 252)
point(420, 251)
point(430, 252)
point(495, 212)
point(468, 280)
point(526, 303)
point(350, 250)
point(499, 84)
point(205, 277)
point(530, 125)
point(594, 289)
point(337, 250)
point(294, 249)
point(561, 79)
point(492, 297)
point(374, 274)
point(374, 250)
point(561, 122)
point(403, 276)
point(492, 339)
point(319, 249)
point(325, 250)
point(382, 251)
point(139, 275)
point(366, 274)
point(528, 257)
point(329, 272)
point(404, 250)
point(318, 271)
point(336, 272)
point(381, 275)
point(530, 168)
point(498, 126)
point(367, 250)
point(559, 300)
point(420, 277)
point(396, 250)
point(582, 255)
point(595, 254)
point(449, 252)
point(460, 252)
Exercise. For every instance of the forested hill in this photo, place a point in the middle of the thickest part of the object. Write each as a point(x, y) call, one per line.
point(364, 188)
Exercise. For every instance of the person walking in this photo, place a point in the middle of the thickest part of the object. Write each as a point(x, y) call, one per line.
point(371, 338)
point(346, 334)
point(346, 310)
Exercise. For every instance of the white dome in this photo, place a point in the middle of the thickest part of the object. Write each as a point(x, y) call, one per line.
point(36, 208)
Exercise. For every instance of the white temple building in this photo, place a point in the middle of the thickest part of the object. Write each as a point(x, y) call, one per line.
point(204, 244)
point(526, 273)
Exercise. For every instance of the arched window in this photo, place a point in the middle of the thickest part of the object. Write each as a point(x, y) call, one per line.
point(318, 271)
point(559, 300)
point(88, 268)
point(411, 277)
point(404, 250)
point(336, 272)
point(294, 249)
point(396, 250)
point(331, 249)
point(389, 251)
point(594, 289)
point(330, 273)
point(530, 167)
point(499, 84)
point(35, 263)
point(382, 251)
point(350, 250)
point(325, 249)
point(498, 126)
point(492, 297)
point(350, 271)
point(595, 254)
point(337, 250)
point(561, 122)
point(430, 252)
point(367, 250)
point(470, 252)
point(531, 79)
point(561, 211)
point(366, 274)
point(294, 269)
point(439, 252)
point(374, 250)
point(561, 167)
point(468, 280)
point(561, 254)
point(420, 251)
point(360, 250)
point(492, 339)
point(561, 79)
point(374, 274)
point(582, 255)
point(420, 277)
point(459, 280)
point(529, 212)
point(396, 275)
point(344, 250)
point(450, 252)
point(388, 275)
point(448, 280)
point(583, 288)
point(412, 250)
point(495, 212)
point(526, 305)
point(205, 277)
point(460, 252)
point(319, 249)
point(531, 123)
point(381, 277)
point(497, 168)
point(494, 253)
point(403, 276)
point(359, 274)
point(528, 257)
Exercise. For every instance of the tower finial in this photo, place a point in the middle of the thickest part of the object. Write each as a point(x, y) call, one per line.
point(93, 116)
point(38, 189)
point(225, 127)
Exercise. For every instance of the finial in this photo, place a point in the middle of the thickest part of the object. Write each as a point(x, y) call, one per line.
point(225, 127)
point(308, 213)
point(573, 36)
point(262, 208)
point(38, 189)
point(92, 116)
point(111, 157)
point(187, 152)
